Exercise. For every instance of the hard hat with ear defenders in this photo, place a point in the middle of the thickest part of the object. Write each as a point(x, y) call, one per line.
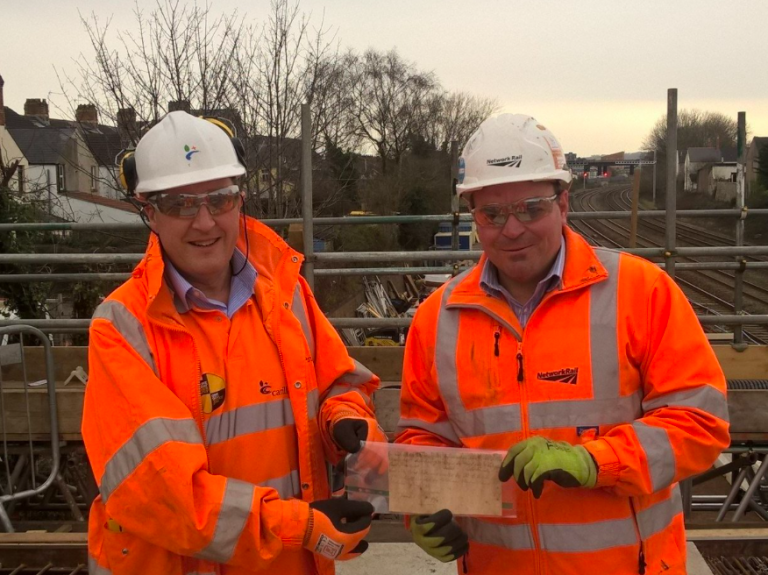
point(181, 150)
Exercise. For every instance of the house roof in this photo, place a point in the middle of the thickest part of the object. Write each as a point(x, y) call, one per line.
point(104, 142)
point(42, 145)
point(703, 154)
point(16, 120)
point(123, 205)
point(729, 155)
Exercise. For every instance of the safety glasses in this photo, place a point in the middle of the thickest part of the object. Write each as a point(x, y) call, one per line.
point(187, 205)
point(526, 211)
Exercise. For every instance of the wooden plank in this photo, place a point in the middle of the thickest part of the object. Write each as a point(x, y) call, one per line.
point(59, 539)
point(747, 409)
point(749, 364)
point(65, 359)
point(720, 337)
point(69, 403)
point(387, 404)
point(10, 354)
point(384, 361)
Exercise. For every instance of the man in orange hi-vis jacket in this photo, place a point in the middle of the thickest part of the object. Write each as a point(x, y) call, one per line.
point(218, 391)
point(586, 365)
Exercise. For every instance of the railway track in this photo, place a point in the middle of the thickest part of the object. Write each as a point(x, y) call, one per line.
point(707, 290)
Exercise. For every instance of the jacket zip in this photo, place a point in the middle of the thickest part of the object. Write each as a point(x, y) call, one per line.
point(496, 336)
point(526, 434)
point(641, 553)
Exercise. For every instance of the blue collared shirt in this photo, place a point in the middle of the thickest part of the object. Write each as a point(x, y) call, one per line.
point(187, 296)
point(489, 281)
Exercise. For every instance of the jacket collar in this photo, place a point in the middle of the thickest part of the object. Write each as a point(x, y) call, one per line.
point(582, 268)
point(277, 264)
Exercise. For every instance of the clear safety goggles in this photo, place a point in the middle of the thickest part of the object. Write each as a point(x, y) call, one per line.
point(187, 205)
point(528, 210)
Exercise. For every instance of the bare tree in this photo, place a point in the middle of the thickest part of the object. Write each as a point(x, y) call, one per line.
point(390, 98)
point(175, 53)
point(457, 115)
point(695, 128)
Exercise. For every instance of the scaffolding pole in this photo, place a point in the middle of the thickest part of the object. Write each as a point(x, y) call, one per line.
point(671, 205)
point(738, 291)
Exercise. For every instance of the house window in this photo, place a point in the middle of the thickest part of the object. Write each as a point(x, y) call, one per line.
point(94, 178)
point(61, 178)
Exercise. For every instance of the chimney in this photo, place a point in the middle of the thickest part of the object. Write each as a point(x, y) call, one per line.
point(126, 125)
point(2, 103)
point(36, 107)
point(176, 105)
point(87, 114)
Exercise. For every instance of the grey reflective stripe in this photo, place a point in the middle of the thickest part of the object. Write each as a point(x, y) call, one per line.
point(358, 376)
point(587, 537)
point(144, 441)
point(129, 327)
point(248, 419)
point(301, 314)
point(516, 537)
point(467, 423)
point(351, 381)
point(443, 428)
point(660, 515)
point(95, 569)
point(603, 336)
point(233, 515)
point(340, 388)
point(549, 414)
point(313, 403)
point(706, 398)
point(286, 486)
point(577, 537)
point(659, 453)
point(607, 406)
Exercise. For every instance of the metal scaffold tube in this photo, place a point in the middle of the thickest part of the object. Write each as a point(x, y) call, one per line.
point(308, 269)
point(671, 203)
point(738, 291)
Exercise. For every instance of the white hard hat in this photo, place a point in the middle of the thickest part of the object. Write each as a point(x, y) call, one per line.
point(511, 148)
point(181, 150)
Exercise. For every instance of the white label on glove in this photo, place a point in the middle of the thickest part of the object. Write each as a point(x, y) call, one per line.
point(327, 547)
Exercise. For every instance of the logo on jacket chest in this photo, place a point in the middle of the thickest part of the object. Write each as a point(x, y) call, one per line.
point(565, 375)
point(266, 389)
point(212, 391)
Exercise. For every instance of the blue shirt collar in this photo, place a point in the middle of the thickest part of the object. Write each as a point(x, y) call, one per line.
point(187, 296)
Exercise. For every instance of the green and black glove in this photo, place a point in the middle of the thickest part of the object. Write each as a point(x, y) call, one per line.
point(538, 459)
point(440, 536)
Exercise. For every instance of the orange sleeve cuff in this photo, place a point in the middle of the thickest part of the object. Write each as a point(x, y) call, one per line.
point(295, 523)
point(608, 466)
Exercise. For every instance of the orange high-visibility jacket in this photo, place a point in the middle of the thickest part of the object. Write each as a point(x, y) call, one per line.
point(163, 507)
point(613, 359)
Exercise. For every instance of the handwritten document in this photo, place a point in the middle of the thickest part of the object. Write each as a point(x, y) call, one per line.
point(424, 482)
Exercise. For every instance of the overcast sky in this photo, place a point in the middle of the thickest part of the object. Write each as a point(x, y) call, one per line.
point(596, 72)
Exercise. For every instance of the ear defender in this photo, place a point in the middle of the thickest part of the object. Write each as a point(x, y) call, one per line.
point(230, 131)
point(128, 177)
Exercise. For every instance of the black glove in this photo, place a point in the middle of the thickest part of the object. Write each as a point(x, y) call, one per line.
point(337, 527)
point(349, 432)
point(440, 536)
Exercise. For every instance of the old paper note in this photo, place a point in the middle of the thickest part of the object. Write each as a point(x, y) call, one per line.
point(466, 482)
